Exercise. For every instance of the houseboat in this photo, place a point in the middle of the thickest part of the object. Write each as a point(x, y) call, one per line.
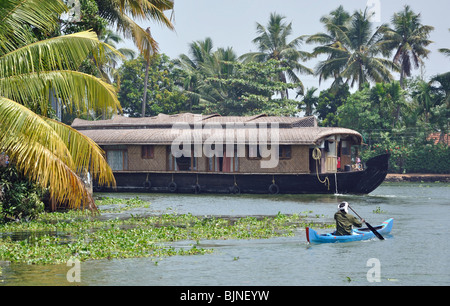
point(190, 153)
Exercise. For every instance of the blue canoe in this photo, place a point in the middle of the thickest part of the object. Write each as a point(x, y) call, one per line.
point(358, 234)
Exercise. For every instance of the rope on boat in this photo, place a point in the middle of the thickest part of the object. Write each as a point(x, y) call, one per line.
point(335, 183)
point(147, 183)
point(317, 155)
point(235, 188)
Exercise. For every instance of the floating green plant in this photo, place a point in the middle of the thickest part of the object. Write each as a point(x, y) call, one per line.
point(378, 210)
point(63, 235)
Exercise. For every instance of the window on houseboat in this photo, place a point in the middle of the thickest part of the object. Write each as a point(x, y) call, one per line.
point(147, 152)
point(117, 158)
point(214, 163)
point(253, 151)
point(225, 163)
point(183, 163)
point(284, 152)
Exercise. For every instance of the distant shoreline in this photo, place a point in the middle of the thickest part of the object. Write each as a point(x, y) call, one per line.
point(417, 177)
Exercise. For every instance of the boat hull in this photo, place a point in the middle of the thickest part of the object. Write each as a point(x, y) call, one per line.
point(351, 182)
point(357, 234)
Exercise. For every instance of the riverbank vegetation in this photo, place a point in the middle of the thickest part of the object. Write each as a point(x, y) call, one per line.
point(56, 237)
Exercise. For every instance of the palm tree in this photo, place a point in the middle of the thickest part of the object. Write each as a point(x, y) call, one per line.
point(47, 151)
point(118, 12)
point(443, 82)
point(444, 78)
point(408, 38)
point(202, 63)
point(353, 53)
point(110, 70)
point(199, 54)
point(423, 94)
point(309, 101)
point(336, 22)
point(190, 64)
point(272, 44)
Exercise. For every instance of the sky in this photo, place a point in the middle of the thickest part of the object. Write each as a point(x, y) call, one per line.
point(232, 23)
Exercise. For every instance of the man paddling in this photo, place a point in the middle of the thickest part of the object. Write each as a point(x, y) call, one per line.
point(345, 221)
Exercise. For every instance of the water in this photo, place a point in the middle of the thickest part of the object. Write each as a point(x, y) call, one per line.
point(415, 253)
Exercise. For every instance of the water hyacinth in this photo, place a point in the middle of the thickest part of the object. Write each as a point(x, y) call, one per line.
point(64, 235)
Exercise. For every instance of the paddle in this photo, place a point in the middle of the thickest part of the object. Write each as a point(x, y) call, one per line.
point(369, 226)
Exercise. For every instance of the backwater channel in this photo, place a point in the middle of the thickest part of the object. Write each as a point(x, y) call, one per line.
point(415, 253)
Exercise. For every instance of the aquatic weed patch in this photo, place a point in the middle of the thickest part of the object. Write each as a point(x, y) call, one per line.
point(85, 236)
point(109, 241)
point(107, 204)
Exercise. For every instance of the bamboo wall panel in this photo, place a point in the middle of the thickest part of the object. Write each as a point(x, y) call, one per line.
point(137, 163)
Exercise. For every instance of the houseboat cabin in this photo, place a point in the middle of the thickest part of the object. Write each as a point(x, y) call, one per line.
point(212, 153)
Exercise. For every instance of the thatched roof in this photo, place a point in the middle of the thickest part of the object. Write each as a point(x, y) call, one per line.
point(163, 120)
point(164, 129)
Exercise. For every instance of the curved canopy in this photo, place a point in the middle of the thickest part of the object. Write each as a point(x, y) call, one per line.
point(164, 129)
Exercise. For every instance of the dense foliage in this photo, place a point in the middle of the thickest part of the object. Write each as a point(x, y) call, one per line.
point(250, 91)
point(19, 197)
point(428, 159)
point(162, 94)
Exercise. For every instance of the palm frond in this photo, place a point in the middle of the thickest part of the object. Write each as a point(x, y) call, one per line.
point(58, 53)
point(37, 150)
point(143, 40)
point(154, 9)
point(147, 8)
point(74, 89)
point(118, 12)
point(445, 51)
point(86, 154)
point(17, 16)
point(321, 38)
point(253, 57)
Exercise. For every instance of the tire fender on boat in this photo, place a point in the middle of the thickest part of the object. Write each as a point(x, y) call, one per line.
point(274, 189)
point(235, 189)
point(197, 189)
point(172, 186)
point(147, 184)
